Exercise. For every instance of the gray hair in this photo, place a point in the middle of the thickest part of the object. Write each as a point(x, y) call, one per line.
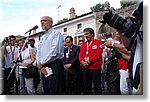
point(50, 19)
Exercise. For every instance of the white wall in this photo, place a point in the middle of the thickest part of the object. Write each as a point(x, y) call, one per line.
point(1, 77)
point(86, 21)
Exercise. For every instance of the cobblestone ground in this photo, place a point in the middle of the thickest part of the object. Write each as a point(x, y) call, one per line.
point(40, 89)
point(1, 80)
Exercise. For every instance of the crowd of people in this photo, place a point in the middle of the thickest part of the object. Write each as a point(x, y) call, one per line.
point(65, 68)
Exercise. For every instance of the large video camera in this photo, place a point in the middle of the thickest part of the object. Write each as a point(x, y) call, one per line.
point(126, 26)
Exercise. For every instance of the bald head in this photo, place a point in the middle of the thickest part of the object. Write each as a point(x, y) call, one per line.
point(46, 22)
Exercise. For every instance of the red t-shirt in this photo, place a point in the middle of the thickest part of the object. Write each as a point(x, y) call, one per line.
point(123, 64)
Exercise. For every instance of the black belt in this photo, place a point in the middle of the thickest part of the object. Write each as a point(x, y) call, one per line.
point(51, 63)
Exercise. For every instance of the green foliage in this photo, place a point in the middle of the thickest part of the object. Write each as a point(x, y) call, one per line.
point(126, 3)
point(98, 7)
point(63, 20)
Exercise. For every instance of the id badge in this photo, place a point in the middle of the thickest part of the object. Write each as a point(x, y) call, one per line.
point(67, 55)
point(86, 59)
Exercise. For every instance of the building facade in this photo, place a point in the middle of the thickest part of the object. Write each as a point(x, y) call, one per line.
point(74, 27)
point(76, 24)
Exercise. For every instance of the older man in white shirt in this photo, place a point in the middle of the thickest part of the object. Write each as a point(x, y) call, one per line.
point(50, 51)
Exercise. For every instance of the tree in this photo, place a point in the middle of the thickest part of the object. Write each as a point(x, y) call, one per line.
point(97, 7)
point(63, 20)
point(126, 3)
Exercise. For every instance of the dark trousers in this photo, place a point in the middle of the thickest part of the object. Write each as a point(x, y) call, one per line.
point(72, 83)
point(8, 84)
point(90, 76)
point(113, 78)
point(54, 84)
point(36, 77)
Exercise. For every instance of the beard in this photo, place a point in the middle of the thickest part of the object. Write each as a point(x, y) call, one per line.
point(43, 27)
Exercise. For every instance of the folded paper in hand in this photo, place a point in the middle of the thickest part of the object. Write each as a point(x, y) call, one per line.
point(49, 71)
point(22, 67)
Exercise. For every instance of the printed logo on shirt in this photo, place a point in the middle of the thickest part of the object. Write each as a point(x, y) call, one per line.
point(94, 47)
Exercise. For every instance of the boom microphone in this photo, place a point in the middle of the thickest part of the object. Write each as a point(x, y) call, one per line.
point(35, 27)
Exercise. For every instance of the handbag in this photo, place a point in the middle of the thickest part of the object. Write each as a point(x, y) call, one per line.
point(28, 72)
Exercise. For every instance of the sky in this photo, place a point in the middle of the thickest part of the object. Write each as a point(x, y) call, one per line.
point(18, 16)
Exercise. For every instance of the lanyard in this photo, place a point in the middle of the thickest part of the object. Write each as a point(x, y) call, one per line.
point(87, 49)
point(12, 52)
point(20, 56)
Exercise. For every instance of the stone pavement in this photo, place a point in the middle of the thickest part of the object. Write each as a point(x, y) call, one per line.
point(40, 89)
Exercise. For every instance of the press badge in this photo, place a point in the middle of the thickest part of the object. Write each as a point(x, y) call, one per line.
point(49, 71)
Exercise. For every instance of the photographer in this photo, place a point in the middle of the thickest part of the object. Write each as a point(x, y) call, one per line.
point(8, 53)
point(131, 27)
point(123, 68)
point(111, 61)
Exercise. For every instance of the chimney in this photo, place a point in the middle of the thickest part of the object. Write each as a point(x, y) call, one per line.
point(72, 13)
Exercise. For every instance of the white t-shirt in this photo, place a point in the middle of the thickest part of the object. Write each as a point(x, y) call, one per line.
point(26, 57)
point(9, 56)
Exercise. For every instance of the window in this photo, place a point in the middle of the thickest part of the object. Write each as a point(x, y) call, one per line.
point(79, 26)
point(65, 30)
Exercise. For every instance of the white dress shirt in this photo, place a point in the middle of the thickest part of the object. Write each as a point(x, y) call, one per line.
point(50, 47)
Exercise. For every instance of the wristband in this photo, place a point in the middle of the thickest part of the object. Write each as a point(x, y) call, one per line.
point(41, 67)
point(112, 43)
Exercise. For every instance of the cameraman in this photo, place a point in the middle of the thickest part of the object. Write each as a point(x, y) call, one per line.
point(111, 61)
point(131, 27)
point(9, 51)
point(123, 69)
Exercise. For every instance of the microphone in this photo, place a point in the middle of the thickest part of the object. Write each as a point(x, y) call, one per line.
point(35, 27)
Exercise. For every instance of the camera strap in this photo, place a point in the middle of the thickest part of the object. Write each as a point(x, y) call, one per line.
point(20, 56)
point(140, 34)
point(133, 41)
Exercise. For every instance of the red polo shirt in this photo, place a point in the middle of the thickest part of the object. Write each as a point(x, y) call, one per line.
point(94, 53)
